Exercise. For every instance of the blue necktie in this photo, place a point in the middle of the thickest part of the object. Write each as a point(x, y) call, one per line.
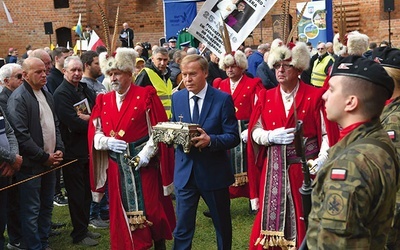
point(195, 115)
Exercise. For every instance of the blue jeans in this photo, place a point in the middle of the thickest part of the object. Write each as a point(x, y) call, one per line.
point(36, 206)
point(100, 210)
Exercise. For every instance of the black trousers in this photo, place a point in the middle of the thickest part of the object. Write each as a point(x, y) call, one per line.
point(77, 184)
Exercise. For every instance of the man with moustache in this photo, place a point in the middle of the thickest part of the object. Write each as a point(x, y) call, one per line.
point(243, 90)
point(141, 210)
point(31, 112)
point(74, 128)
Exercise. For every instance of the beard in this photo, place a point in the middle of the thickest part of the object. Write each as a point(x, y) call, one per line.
point(116, 86)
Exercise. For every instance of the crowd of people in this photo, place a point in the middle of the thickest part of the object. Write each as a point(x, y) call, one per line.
point(90, 117)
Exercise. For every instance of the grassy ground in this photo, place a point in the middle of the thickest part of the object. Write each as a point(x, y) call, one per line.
point(204, 237)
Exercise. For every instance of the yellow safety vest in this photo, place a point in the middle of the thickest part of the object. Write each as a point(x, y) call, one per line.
point(318, 73)
point(164, 90)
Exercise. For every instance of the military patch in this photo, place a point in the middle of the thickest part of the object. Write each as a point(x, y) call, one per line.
point(338, 174)
point(391, 134)
point(335, 204)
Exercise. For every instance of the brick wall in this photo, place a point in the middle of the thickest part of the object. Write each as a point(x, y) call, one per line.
point(146, 19)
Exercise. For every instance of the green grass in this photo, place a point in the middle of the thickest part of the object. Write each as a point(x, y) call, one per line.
point(204, 237)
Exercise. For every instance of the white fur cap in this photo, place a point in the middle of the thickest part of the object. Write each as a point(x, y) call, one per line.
point(124, 59)
point(299, 56)
point(357, 43)
point(238, 57)
point(338, 47)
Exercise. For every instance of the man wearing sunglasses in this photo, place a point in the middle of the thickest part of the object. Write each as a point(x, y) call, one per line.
point(321, 66)
point(10, 78)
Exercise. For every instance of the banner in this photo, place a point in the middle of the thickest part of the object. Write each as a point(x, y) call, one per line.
point(178, 15)
point(312, 26)
point(240, 16)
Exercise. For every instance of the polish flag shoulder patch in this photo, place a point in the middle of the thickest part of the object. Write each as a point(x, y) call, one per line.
point(338, 174)
point(391, 134)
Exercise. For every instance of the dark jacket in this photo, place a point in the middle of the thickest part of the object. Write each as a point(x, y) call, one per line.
point(54, 79)
point(214, 72)
point(4, 95)
point(175, 71)
point(267, 76)
point(73, 129)
point(23, 109)
point(143, 79)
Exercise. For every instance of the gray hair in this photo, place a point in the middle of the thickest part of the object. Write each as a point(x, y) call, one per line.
point(71, 58)
point(7, 69)
point(192, 51)
point(160, 50)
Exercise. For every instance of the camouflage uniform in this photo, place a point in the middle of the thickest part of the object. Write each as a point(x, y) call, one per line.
point(354, 193)
point(390, 120)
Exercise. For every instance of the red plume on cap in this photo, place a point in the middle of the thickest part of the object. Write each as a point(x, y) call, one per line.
point(291, 45)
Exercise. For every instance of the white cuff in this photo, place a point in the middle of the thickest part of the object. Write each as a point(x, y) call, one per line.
point(260, 136)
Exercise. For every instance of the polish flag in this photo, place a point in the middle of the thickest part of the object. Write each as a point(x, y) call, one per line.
point(338, 174)
point(95, 41)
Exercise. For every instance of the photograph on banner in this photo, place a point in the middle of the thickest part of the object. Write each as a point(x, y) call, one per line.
point(240, 17)
point(312, 26)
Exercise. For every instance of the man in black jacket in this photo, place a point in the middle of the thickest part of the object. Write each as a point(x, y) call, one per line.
point(31, 113)
point(73, 102)
point(126, 36)
point(56, 75)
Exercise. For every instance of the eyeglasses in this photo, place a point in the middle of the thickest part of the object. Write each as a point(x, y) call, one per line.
point(285, 66)
point(18, 76)
point(320, 48)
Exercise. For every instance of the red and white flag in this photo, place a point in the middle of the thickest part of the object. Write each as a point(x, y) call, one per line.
point(95, 41)
point(7, 13)
point(338, 174)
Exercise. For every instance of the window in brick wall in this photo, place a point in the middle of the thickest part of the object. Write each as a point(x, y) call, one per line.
point(59, 4)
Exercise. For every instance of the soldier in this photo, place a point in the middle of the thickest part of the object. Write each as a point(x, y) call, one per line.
point(354, 192)
point(390, 119)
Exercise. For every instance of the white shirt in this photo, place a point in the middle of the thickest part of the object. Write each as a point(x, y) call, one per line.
point(201, 95)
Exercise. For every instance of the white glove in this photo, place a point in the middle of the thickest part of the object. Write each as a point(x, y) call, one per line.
point(281, 135)
point(244, 135)
point(143, 160)
point(316, 164)
point(116, 145)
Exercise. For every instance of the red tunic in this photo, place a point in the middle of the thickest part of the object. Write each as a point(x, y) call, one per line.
point(271, 109)
point(132, 120)
point(244, 99)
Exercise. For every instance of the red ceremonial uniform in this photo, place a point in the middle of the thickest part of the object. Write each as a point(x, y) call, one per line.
point(270, 108)
point(244, 99)
point(131, 119)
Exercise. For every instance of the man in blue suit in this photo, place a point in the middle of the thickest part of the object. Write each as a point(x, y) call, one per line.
point(205, 171)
